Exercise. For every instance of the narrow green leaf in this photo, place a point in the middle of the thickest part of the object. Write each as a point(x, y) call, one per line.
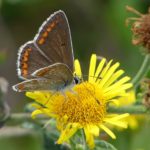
point(103, 145)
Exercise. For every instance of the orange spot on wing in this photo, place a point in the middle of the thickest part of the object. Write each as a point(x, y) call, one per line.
point(21, 87)
point(24, 72)
point(42, 72)
point(25, 66)
point(52, 25)
point(29, 49)
point(49, 29)
point(26, 54)
point(41, 41)
point(45, 34)
point(25, 58)
point(24, 62)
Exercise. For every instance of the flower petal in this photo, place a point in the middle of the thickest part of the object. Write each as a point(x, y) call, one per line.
point(92, 68)
point(99, 69)
point(108, 74)
point(77, 66)
point(35, 113)
point(105, 69)
point(67, 132)
point(121, 124)
point(93, 129)
point(109, 132)
point(113, 78)
point(89, 137)
point(117, 84)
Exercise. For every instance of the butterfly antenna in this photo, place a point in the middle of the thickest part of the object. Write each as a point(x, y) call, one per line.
point(93, 76)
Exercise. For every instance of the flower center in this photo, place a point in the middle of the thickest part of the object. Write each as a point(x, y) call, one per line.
point(84, 105)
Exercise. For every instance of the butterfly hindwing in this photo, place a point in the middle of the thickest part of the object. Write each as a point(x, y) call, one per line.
point(53, 71)
point(54, 77)
point(29, 60)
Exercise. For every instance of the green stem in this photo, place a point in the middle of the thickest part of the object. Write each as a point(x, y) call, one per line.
point(142, 71)
point(134, 109)
point(83, 139)
point(17, 118)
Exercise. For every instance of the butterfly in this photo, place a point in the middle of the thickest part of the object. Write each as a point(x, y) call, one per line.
point(46, 62)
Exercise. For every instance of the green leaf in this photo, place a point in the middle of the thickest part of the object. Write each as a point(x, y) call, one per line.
point(103, 145)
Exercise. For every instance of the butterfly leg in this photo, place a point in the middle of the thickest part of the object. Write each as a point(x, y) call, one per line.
point(48, 99)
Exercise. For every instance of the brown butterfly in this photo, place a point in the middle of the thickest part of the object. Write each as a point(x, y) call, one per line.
point(46, 62)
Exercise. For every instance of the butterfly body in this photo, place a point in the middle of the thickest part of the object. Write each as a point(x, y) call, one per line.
point(46, 62)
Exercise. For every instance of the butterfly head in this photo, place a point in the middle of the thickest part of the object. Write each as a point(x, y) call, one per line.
point(77, 79)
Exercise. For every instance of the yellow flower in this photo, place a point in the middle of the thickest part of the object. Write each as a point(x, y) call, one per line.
point(127, 101)
point(85, 105)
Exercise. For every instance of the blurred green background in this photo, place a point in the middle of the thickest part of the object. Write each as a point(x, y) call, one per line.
point(97, 26)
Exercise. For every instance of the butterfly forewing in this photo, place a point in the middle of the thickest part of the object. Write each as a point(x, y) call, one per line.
point(54, 39)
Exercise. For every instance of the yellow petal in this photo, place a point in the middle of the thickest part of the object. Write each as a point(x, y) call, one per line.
point(93, 129)
point(67, 132)
point(121, 124)
point(113, 78)
point(104, 71)
point(41, 97)
point(77, 68)
point(127, 100)
point(118, 117)
point(117, 84)
point(109, 74)
point(35, 113)
point(118, 91)
point(109, 132)
point(99, 69)
point(92, 68)
point(132, 122)
point(89, 138)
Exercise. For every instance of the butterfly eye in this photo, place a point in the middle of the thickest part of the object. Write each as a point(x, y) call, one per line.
point(77, 80)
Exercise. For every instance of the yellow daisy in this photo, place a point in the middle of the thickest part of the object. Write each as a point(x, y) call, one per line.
point(85, 105)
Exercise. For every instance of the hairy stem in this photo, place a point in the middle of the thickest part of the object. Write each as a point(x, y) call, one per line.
point(142, 71)
point(84, 140)
point(134, 109)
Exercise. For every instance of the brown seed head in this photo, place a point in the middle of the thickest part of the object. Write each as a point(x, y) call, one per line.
point(140, 28)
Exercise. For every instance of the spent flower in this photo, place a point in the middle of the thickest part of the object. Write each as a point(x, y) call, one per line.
point(140, 28)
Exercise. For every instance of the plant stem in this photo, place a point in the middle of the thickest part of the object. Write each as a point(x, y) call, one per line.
point(16, 118)
point(83, 139)
point(135, 109)
point(142, 71)
point(22, 117)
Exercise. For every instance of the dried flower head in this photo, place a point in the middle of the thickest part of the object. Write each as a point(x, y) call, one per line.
point(140, 28)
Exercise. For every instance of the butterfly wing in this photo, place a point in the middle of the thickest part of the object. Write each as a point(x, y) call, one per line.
point(54, 77)
point(54, 39)
point(51, 45)
point(57, 69)
point(29, 60)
